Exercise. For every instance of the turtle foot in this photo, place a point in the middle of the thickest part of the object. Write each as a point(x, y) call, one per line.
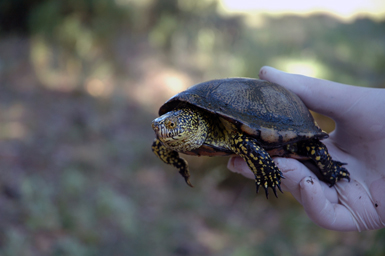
point(270, 182)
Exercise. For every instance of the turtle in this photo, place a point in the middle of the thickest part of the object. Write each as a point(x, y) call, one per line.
point(254, 119)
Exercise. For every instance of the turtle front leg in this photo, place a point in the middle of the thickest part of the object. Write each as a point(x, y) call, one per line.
point(259, 161)
point(331, 170)
point(172, 157)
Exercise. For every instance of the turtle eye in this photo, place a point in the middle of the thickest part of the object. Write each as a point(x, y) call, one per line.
point(171, 124)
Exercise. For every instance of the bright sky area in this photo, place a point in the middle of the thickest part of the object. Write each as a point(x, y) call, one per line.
point(345, 10)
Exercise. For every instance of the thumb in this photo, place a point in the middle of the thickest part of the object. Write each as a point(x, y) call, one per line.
point(325, 97)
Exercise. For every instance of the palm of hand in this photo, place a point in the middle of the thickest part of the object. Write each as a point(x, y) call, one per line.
point(359, 139)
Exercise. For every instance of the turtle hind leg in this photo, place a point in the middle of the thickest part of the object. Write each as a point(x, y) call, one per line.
point(331, 171)
point(259, 161)
point(172, 157)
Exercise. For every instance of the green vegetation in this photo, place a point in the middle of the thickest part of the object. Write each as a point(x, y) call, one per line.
point(81, 81)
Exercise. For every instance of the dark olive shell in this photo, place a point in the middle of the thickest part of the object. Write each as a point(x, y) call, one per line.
point(262, 109)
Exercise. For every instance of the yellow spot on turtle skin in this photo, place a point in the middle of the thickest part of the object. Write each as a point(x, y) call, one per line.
point(312, 152)
point(308, 148)
point(317, 158)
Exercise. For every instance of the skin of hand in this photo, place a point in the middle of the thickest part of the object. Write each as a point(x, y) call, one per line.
point(358, 140)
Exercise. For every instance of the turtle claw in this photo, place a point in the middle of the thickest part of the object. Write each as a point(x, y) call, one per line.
point(279, 187)
point(186, 175)
point(274, 190)
point(187, 179)
point(267, 191)
point(272, 182)
point(266, 187)
point(341, 172)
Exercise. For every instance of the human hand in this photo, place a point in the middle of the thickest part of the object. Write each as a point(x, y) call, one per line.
point(358, 140)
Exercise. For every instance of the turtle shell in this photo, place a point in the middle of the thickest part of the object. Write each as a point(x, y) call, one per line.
point(264, 110)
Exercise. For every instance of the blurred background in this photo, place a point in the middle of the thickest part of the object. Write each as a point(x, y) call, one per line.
point(80, 83)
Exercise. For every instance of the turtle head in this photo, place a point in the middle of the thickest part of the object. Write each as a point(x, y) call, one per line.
point(181, 130)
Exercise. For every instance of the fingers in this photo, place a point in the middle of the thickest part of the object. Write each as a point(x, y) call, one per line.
point(294, 172)
point(320, 201)
point(324, 213)
point(325, 97)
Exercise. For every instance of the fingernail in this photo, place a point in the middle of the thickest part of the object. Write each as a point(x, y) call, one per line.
point(230, 164)
point(263, 72)
point(307, 181)
point(233, 164)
